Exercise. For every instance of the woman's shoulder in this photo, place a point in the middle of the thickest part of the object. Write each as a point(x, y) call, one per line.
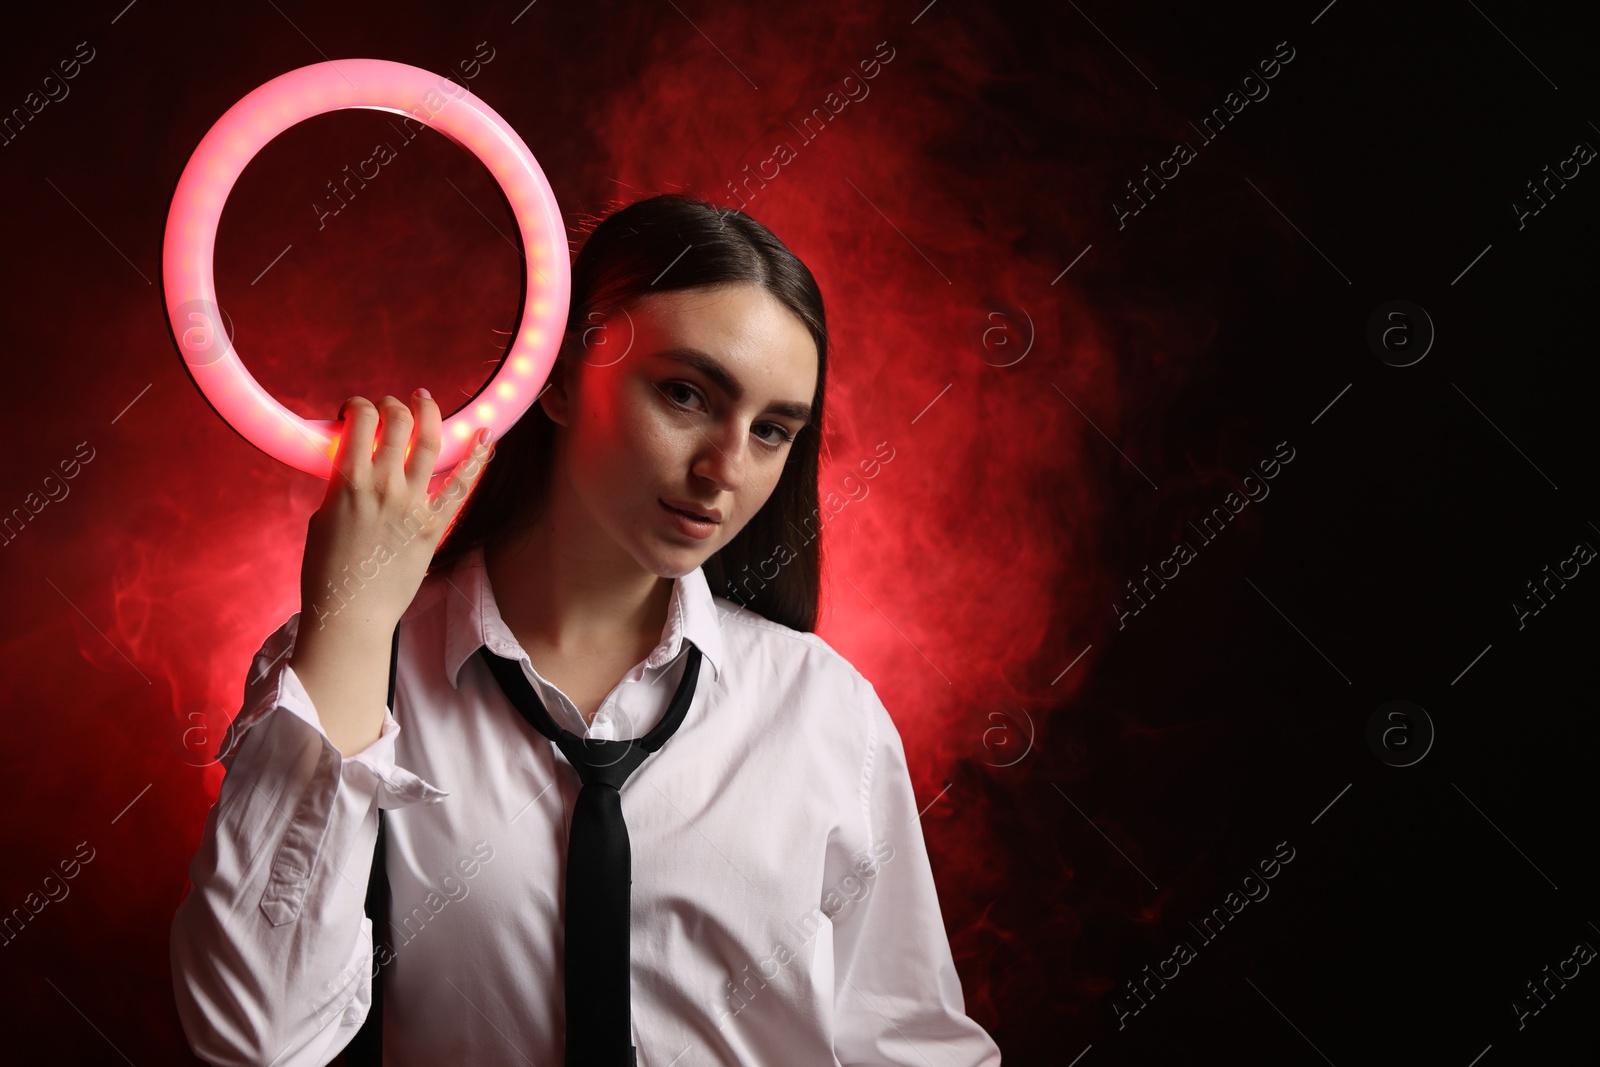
point(768, 650)
point(793, 682)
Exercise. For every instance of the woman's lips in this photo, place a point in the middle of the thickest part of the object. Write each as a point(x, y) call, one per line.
point(700, 529)
point(693, 510)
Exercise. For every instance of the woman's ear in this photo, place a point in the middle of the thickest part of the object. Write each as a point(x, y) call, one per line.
point(554, 398)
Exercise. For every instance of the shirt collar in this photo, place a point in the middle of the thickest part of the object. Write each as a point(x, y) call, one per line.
point(472, 619)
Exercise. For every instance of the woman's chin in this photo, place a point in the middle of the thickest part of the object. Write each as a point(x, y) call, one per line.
point(668, 559)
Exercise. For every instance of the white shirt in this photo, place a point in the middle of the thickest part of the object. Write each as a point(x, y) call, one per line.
point(783, 908)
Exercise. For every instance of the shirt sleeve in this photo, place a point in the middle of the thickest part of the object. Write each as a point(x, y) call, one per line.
point(898, 998)
point(271, 950)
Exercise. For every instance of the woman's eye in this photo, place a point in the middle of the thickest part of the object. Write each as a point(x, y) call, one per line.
point(783, 435)
point(673, 388)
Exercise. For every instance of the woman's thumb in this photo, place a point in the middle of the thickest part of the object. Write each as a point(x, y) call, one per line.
point(458, 486)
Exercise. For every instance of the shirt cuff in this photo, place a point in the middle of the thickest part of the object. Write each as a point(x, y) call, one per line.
point(273, 684)
point(396, 787)
point(342, 789)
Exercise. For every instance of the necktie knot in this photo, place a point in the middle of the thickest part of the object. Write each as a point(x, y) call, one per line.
point(601, 762)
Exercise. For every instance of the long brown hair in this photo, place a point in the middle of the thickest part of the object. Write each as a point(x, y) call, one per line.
point(773, 566)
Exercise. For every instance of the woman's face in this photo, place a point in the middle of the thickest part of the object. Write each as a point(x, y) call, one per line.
point(690, 396)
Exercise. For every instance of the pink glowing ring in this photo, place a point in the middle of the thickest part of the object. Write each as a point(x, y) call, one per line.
point(230, 144)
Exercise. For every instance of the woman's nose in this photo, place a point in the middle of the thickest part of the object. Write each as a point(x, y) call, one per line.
point(723, 459)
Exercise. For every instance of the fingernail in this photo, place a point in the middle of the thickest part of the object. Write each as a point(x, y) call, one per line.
point(485, 435)
point(424, 394)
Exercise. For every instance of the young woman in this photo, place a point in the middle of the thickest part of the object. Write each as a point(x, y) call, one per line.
point(555, 602)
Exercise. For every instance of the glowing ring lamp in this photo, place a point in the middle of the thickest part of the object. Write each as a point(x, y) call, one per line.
point(219, 159)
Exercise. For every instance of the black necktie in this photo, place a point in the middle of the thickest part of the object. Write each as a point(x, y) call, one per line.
point(599, 867)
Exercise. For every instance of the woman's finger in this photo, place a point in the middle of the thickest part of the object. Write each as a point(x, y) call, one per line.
point(353, 457)
point(424, 441)
point(394, 437)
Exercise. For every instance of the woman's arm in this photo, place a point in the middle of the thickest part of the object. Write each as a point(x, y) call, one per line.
point(271, 950)
point(898, 998)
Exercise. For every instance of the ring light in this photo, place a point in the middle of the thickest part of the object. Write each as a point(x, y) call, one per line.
point(190, 289)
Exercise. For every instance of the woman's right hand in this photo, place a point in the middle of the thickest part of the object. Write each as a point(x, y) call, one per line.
point(368, 548)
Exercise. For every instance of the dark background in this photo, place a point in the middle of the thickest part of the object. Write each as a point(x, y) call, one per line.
point(1092, 790)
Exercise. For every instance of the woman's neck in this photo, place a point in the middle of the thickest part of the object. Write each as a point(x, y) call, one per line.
point(569, 596)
